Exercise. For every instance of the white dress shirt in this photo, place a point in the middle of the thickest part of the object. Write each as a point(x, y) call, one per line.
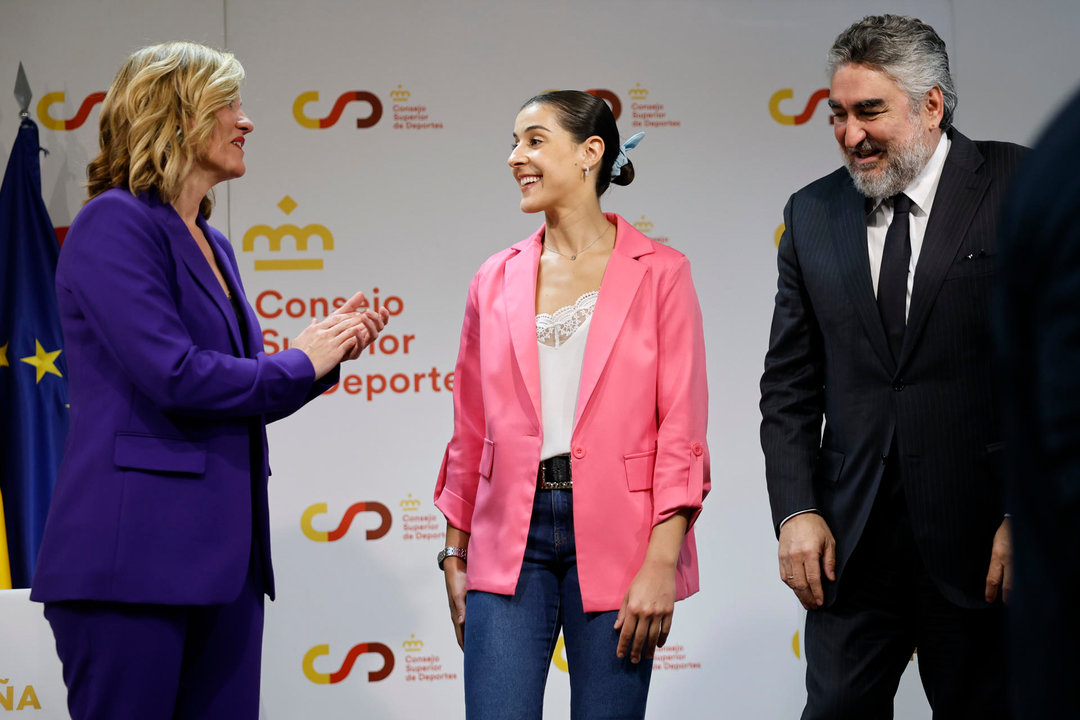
point(921, 191)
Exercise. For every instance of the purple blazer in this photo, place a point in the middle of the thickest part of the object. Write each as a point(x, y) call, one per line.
point(162, 489)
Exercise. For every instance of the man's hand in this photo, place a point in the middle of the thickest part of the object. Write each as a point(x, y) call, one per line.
point(806, 547)
point(1000, 573)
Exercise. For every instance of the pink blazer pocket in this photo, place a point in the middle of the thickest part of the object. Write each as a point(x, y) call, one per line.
point(639, 470)
point(159, 454)
point(487, 459)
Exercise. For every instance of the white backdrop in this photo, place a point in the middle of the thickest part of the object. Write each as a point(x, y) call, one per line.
point(408, 205)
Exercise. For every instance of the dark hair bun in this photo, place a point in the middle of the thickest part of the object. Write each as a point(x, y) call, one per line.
point(626, 174)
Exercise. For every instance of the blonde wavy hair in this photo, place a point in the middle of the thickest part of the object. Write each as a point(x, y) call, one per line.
point(158, 115)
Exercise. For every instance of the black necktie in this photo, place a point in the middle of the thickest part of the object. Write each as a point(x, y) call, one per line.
point(893, 278)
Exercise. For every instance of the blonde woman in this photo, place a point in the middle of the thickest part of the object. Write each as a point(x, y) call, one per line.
point(156, 554)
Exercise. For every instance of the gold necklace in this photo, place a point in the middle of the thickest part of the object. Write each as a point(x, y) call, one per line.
point(574, 256)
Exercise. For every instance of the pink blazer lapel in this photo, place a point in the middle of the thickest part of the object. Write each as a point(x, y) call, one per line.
point(622, 278)
point(519, 289)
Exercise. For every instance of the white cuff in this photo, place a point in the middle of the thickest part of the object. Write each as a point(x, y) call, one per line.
point(801, 512)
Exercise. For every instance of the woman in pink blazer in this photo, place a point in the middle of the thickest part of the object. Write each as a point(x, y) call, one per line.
point(578, 462)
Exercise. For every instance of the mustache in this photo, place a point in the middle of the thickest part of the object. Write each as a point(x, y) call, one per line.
point(866, 147)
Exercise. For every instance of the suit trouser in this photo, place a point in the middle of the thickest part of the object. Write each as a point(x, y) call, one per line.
point(888, 606)
point(127, 661)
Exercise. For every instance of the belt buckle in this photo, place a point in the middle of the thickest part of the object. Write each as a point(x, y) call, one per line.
point(554, 484)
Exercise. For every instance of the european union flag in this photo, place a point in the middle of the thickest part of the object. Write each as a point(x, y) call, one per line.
point(33, 372)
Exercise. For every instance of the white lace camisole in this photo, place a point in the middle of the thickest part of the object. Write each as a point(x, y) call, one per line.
point(560, 337)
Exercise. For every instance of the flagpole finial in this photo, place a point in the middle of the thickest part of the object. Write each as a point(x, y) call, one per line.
point(23, 93)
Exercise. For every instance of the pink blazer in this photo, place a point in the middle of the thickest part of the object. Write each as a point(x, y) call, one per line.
point(638, 449)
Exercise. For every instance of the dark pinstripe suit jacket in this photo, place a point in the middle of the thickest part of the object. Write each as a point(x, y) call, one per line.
point(936, 405)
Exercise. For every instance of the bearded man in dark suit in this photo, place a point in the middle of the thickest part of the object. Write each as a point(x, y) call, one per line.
point(890, 519)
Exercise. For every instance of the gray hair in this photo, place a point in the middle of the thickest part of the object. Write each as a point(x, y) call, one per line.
point(904, 48)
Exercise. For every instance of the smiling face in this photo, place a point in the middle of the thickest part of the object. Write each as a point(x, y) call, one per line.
point(885, 142)
point(546, 162)
point(223, 157)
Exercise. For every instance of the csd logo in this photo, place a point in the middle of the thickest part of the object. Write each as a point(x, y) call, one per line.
point(346, 667)
point(559, 656)
point(611, 98)
point(808, 112)
point(343, 527)
point(274, 236)
point(344, 99)
point(54, 98)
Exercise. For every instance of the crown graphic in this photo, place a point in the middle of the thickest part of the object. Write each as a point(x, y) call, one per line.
point(400, 95)
point(413, 645)
point(287, 205)
point(410, 504)
point(638, 93)
point(644, 225)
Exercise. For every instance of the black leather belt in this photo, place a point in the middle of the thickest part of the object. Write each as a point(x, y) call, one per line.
point(554, 473)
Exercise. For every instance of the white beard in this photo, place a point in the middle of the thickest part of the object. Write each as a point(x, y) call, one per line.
point(905, 160)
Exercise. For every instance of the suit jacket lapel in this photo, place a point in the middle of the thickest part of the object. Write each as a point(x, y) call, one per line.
point(252, 343)
point(959, 193)
point(519, 289)
point(849, 226)
point(187, 250)
point(622, 278)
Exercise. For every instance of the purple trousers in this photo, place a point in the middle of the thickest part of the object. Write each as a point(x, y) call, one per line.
point(161, 662)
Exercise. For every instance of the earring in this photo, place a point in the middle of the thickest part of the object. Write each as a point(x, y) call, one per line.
point(586, 171)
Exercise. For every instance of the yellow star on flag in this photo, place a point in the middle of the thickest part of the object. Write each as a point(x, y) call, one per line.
point(3, 355)
point(45, 362)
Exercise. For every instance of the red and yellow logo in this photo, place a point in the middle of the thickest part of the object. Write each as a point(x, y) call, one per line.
point(303, 99)
point(54, 98)
point(339, 532)
point(808, 112)
point(559, 656)
point(611, 98)
point(320, 678)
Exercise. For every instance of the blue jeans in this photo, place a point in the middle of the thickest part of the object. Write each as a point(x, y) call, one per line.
point(509, 640)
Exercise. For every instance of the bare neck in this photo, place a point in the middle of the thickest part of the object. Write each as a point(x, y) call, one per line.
point(569, 233)
point(191, 196)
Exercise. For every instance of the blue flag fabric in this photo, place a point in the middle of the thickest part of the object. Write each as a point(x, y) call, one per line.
point(33, 371)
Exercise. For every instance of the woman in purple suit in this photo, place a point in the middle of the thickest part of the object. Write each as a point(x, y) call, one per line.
point(156, 554)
